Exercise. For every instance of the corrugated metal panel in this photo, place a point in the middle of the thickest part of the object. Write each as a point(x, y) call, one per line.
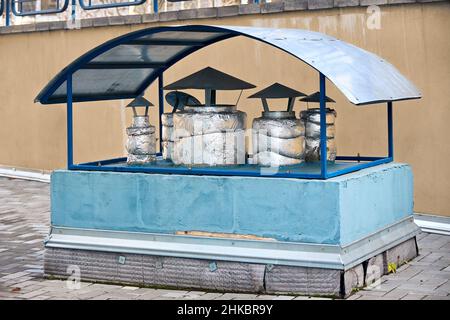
point(361, 76)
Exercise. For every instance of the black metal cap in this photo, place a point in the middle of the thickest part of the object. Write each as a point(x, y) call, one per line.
point(139, 101)
point(178, 99)
point(210, 78)
point(315, 97)
point(277, 91)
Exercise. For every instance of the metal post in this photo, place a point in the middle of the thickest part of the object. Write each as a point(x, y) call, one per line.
point(161, 107)
point(213, 96)
point(7, 12)
point(390, 131)
point(265, 104)
point(208, 94)
point(73, 10)
point(155, 6)
point(291, 103)
point(323, 128)
point(69, 123)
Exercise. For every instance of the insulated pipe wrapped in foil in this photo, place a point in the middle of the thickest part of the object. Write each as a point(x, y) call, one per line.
point(220, 148)
point(312, 149)
point(140, 122)
point(167, 126)
point(141, 142)
point(292, 148)
point(167, 151)
point(267, 158)
point(209, 136)
point(278, 139)
point(311, 119)
point(167, 119)
point(140, 158)
point(313, 130)
point(285, 128)
point(200, 120)
point(313, 115)
point(167, 135)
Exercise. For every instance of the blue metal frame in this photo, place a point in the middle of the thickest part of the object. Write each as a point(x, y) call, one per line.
point(19, 13)
point(7, 12)
point(323, 127)
point(160, 106)
point(362, 162)
point(69, 123)
point(91, 6)
point(390, 131)
point(73, 10)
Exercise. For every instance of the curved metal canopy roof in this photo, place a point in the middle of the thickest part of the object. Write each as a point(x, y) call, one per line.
point(125, 66)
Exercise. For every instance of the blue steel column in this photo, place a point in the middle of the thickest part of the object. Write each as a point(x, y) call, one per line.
point(161, 107)
point(7, 12)
point(323, 129)
point(69, 123)
point(155, 6)
point(73, 10)
point(390, 131)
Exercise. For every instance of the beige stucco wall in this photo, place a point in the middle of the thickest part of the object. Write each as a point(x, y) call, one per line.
point(412, 37)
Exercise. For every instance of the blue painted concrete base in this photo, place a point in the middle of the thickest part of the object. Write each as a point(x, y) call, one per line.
point(336, 211)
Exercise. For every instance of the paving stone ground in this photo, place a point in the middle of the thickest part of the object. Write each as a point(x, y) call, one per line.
point(24, 223)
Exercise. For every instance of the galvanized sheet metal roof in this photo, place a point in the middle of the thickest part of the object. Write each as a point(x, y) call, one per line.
point(124, 67)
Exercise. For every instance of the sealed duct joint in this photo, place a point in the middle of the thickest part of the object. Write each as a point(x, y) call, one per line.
point(278, 137)
point(141, 142)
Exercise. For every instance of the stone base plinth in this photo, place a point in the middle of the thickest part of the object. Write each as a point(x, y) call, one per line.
point(222, 276)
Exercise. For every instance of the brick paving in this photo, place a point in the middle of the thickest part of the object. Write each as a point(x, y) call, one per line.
point(24, 223)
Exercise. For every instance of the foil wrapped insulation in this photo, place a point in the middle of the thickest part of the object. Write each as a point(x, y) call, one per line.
point(167, 135)
point(311, 120)
point(278, 139)
point(202, 120)
point(141, 142)
point(273, 159)
point(209, 136)
point(279, 128)
point(312, 149)
point(167, 151)
point(134, 159)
